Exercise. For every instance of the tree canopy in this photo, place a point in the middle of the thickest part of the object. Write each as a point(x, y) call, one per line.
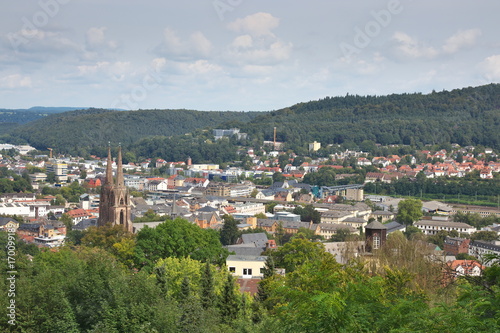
point(178, 238)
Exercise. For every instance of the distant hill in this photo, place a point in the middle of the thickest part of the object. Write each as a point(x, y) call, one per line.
point(50, 109)
point(23, 116)
point(469, 116)
point(69, 131)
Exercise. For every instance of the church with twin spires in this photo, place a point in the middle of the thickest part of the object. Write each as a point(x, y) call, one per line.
point(114, 205)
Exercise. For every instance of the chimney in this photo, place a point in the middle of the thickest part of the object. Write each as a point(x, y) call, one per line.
point(274, 142)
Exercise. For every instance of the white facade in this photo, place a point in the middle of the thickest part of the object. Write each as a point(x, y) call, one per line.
point(240, 190)
point(433, 227)
point(246, 266)
point(14, 209)
point(134, 182)
point(250, 208)
point(479, 248)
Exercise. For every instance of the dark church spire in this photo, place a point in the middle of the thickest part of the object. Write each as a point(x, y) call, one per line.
point(119, 169)
point(114, 205)
point(109, 169)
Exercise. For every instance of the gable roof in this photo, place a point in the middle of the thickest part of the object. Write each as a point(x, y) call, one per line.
point(394, 226)
point(5, 220)
point(207, 209)
point(259, 239)
point(84, 224)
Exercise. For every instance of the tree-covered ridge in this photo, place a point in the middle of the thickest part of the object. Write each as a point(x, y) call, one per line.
point(468, 116)
point(465, 116)
point(95, 127)
point(23, 116)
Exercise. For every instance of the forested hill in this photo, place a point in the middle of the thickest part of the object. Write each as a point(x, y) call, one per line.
point(69, 131)
point(23, 116)
point(466, 116)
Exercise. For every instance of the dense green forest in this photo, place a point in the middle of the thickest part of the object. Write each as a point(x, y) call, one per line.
point(80, 130)
point(469, 116)
point(173, 279)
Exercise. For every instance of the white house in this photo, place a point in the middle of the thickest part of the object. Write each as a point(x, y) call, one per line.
point(246, 266)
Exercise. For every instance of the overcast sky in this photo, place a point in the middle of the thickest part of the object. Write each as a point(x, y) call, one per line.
point(239, 55)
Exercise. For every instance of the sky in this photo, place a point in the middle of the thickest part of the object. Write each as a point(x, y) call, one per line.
point(239, 55)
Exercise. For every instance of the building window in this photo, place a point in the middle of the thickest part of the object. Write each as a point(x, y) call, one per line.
point(232, 269)
point(376, 242)
point(247, 271)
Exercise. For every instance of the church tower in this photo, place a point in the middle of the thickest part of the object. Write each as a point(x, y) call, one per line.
point(114, 205)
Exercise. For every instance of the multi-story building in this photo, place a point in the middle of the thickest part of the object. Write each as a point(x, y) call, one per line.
point(134, 182)
point(59, 168)
point(480, 248)
point(250, 208)
point(456, 245)
point(433, 227)
point(220, 133)
point(218, 189)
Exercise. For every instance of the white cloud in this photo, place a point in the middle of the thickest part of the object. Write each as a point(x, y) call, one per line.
point(172, 41)
point(259, 24)
point(15, 81)
point(244, 41)
point(199, 67)
point(200, 44)
point(95, 36)
point(97, 44)
point(264, 53)
point(491, 68)
point(461, 39)
point(117, 71)
point(368, 65)
point(38, 45)
point(411, 47)
point(195, 47)
point(258, 45)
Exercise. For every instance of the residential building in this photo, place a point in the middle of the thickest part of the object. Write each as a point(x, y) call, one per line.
point(383, 215)
point(482, 211)
point(8, 224)
point(217, 189)
point(220, 133)
point(455, 245)
point(431, 227)
point(249, 208)
point(59, 168)
point(355, 222)
point(79, 214)
point(327, 230)
point(315, 146)
point(458, 268)
point(246, 266)
point(480, 248)
point(286, 216)
point(134, 182)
